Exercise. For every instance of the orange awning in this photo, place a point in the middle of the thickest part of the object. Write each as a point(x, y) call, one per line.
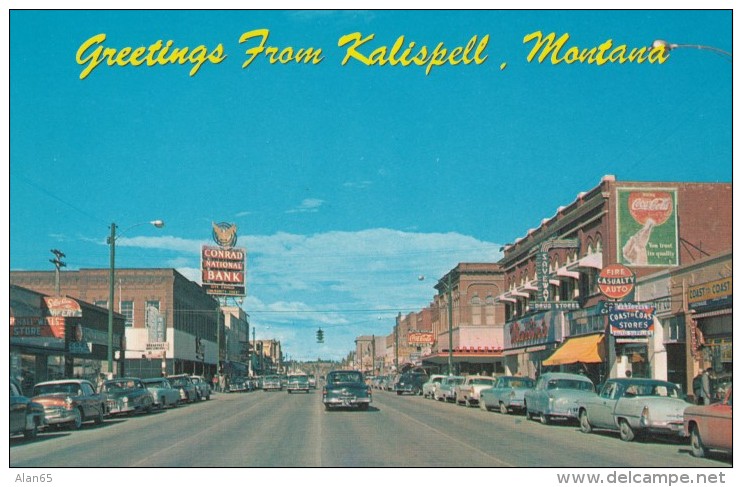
point(585, 349)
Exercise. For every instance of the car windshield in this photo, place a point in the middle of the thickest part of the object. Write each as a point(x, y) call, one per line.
point(111, 385)
point(299, 378)
point(180, 381)
point(457, 380)
point(161, 384)
point(64, 388)
point(345, 377)
point(580, 385)
point(526, 383)
point(482, 380)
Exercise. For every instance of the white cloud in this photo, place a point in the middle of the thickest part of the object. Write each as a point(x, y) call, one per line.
point(341, 281)
point(309, 205)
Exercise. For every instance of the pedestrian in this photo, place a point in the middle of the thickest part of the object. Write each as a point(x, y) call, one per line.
point(214, 382)
point(222, 380)
point(706, 386)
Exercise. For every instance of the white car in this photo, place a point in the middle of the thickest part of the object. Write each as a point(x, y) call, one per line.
point(430, 386)
point(467, 393)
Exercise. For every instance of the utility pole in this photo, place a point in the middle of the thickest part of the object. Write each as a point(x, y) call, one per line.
point(57, 261)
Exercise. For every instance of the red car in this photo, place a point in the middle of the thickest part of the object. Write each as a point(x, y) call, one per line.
point(710, 426)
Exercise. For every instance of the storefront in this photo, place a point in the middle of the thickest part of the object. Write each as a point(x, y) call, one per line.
point(58, 337)
point(710, 305)
point(530, 340)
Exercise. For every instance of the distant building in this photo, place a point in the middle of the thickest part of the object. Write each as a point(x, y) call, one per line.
point(170, 321)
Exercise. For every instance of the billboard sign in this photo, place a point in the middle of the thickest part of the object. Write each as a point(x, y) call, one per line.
point(647, 227)
point(420, 338)
point(223, 270)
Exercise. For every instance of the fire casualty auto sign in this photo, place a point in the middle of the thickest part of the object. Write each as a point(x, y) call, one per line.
point(616, 281)
point(223, 270)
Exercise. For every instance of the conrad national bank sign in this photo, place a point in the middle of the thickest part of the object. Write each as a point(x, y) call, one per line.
point(223, 266)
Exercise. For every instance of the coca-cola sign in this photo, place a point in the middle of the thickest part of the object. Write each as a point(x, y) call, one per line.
point(646, 220)
point(657, 206)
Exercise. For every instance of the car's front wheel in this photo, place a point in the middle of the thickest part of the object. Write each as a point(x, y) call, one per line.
point(585, 426)
point(696, 445)
point(33, 432)
point(76, 423)
point(625, 431)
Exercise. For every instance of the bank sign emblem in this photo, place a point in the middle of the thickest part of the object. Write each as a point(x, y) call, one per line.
point(225, 234)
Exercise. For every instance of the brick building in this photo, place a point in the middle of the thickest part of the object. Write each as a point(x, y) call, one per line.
point(551, 296)
point(476, 320)
point(170, 321)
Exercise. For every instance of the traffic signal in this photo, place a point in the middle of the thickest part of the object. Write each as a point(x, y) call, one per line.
point(320, 336)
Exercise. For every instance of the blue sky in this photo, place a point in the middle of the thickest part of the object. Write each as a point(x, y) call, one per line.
point(347, 182)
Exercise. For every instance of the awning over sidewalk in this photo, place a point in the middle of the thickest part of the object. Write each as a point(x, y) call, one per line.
point(585, 349)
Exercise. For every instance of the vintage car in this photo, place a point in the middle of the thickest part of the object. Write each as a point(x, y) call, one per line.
point(126, 395)
point(446, 390)
point(556, 396)
point(272, 383)
point(312, 381)
point(70, 402)
point(507, 394)
point(162, 391)
point(467, 393)
point(411, 383)
point(203, 389)
point(26, 416)
point(431, 384)
point(346, 388)
point(239, 384)
point(709, 426)
point(634, 406)
point(297, 382)
point(185, 386)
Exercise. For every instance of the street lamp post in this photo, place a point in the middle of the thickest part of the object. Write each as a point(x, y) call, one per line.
point(111, 278)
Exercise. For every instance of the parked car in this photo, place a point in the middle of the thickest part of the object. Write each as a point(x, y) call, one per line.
point(162, 391)
point(446, 389)
point(297, 382)
point(507, 394)
point(556, 396)
point(467, 393)
point(346, 388)
point(272, 383)
point(239, 384)
point(185, 386)
point(431, 384)
point(203, 389)
point(127, 395)
point(26, 416)
point(710, 426)
point(634, 406)
point(410, 382)
point(312, 381)
point(70, 402)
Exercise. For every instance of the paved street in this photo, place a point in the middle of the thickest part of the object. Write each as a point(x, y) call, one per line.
point(274, 429)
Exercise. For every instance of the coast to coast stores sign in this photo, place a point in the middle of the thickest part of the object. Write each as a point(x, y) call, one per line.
point(223, 267)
